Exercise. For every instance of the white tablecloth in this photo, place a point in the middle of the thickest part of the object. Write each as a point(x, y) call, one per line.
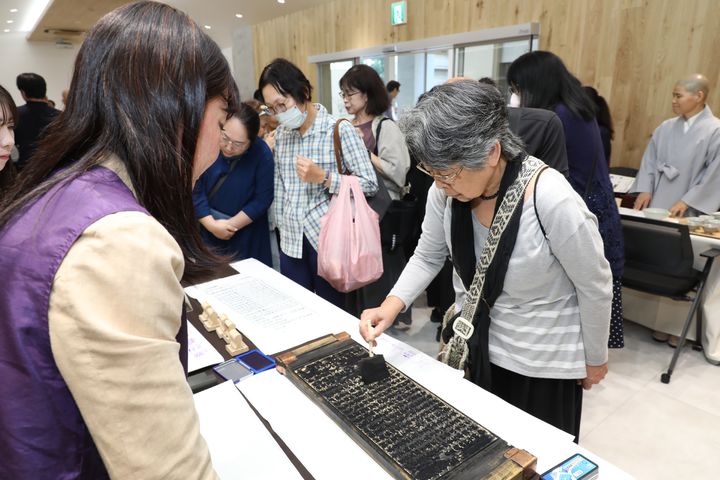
point(666, 315)
point(518, 428)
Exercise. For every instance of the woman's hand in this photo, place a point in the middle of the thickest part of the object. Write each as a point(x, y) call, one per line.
point(222, 229)
point(270, 140)
point(307, 171)
point(595, 375)
point(381, 318)
point(642, 200)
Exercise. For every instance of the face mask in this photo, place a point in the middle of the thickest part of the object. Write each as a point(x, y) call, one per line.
point(292, 118)
point(514, 100)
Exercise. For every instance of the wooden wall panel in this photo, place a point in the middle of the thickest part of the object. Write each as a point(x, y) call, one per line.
point(632, 51)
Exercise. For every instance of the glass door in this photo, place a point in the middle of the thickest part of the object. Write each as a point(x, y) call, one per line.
point(489, 60)
point(329, 75)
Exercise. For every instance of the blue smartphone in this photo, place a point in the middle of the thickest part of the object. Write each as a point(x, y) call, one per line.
point(576, 467)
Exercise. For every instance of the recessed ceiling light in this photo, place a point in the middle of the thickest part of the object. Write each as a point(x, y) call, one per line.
point(207, 27)
point(7, 30)
point(238, 15)
point(13, 10)
point(10, 21)
point(281, 1)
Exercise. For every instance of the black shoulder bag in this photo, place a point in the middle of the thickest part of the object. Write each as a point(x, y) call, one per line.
point(399, 223)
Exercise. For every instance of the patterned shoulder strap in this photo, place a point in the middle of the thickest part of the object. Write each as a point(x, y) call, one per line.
point(464, 324)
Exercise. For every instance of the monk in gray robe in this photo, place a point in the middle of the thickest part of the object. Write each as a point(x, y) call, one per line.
point(680, 169)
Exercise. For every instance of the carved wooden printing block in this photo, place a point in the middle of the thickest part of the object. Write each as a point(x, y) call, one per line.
point(408, 430)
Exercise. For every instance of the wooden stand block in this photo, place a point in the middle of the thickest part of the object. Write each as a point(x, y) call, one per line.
point(235, 345)
point(221, 326)
point(224, 328)
point(209, 318)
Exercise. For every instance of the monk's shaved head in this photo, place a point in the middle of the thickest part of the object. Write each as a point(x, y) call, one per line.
point(695, 83)
point(457, 79)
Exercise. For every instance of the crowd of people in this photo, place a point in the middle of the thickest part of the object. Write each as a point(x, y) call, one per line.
point(176, 176)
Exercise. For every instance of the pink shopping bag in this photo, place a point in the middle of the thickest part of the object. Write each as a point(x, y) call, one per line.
point(349, 251)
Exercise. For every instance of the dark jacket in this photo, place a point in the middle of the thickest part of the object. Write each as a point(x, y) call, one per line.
point(543, 135)
point(33, 118)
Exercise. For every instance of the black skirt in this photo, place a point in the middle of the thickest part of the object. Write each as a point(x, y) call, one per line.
point(557, 402)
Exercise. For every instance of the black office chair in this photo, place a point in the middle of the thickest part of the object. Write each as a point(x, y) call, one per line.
point(659, 260)
point(624, 171)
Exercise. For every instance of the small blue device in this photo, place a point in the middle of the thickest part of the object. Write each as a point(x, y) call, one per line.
point(232, 370)
point(576, 467)
point(256, 361)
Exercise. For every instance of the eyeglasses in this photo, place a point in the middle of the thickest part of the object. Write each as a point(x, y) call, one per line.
point(279, 107)
point(228, 141)
point(344, 95)
point(449, 179)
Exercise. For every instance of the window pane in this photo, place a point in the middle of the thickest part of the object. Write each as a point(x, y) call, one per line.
point(438, 68)
point(410, 71)
point(379, 64)
point(490, 60)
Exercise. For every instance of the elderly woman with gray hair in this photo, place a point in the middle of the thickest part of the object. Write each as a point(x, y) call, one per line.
point(533, 289)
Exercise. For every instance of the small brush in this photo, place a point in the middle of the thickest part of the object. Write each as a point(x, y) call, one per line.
point(373, 368)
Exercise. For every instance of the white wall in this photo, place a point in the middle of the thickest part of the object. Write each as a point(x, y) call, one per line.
point(244, 63)
point(54, 64)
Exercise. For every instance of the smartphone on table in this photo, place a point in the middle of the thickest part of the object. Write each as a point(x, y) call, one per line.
point(576, 467)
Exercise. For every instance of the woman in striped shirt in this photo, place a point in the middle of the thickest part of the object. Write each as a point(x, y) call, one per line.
point(547, 293)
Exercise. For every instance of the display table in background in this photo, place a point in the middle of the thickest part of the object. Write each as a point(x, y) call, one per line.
point(666, 315)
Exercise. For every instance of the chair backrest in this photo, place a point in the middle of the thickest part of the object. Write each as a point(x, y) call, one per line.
point(659, 247)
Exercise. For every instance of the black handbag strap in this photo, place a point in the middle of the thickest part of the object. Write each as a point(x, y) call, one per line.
point(222, 179)
point(377, 134)
point(535, 201)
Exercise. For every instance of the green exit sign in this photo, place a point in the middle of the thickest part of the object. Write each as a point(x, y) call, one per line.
point(398, 12)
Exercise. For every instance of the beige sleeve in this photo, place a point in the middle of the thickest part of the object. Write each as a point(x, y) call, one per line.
point(115, 310)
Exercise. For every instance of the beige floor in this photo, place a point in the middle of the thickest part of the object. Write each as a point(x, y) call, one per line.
point(647, 428)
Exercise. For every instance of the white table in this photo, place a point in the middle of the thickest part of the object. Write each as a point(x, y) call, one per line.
point(666, 315)
point(518, 428)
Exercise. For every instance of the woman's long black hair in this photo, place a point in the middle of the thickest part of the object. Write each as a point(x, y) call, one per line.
point(140, 85)
point(543, 81)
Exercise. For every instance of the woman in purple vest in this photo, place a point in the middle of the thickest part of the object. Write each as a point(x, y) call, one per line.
point(93, 245)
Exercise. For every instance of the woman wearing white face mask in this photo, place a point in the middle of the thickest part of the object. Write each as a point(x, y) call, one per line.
point(305, 171)
point(8, 113)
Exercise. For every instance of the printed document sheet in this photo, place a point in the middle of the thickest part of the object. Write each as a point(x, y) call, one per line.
point(266, 312)
point(201, 353)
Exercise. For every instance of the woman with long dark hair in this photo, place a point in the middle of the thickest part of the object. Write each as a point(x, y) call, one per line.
point(541, 80)
point(93, 245)
point(8, 114)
